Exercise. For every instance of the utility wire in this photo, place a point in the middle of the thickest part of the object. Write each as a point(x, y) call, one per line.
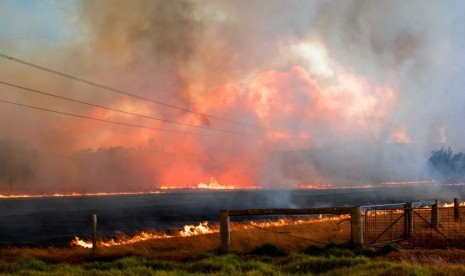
point(104, 120)
point(95, 119)
point(122, 111)
point(108, 88)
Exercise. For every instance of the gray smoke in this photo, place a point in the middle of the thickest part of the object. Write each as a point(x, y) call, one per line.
point(385, 91)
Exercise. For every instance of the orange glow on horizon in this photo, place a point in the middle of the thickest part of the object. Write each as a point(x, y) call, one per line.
point(78, 194)
point(215, 185)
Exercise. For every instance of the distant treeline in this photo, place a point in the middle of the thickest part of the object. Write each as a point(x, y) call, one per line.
point(447, 165)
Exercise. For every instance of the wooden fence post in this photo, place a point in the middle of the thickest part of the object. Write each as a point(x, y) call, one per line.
point(408, 220)
point(456, 209)
point(356, 222)
point(224, 231)
point(434, 215)
point(94, 233)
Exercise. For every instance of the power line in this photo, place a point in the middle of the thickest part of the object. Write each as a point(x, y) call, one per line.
point(104, 120)
point(122, 111)
point(105, 87)
point(95, 119)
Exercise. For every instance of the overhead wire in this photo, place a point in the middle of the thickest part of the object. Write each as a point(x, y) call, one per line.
point(123, 111)
point(110, 121)
point(95, 119)
point(111, 89)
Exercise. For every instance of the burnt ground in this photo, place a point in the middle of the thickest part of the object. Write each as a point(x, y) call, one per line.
point(55, 221)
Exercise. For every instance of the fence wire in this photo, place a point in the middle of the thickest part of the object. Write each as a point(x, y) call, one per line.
point(430, 227)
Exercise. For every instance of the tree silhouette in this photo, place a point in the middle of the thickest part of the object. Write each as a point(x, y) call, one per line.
point(448, 166)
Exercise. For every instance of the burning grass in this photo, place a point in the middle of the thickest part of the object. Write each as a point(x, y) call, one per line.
point(238, 227)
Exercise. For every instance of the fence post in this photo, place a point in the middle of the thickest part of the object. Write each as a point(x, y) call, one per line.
point(224, 231)
point(356, 223)
point(408, 220)
point(456, 209)
point(434, 215)
point(94, 233)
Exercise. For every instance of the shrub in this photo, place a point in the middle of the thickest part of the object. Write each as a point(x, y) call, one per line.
point(386, 249)
point(322, 264)
point(8, 267)
point(268, 249)
point(225, 263)
point(26, 263)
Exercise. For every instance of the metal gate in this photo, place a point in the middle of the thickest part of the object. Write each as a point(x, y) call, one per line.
point(383, 224)
point(427, 226)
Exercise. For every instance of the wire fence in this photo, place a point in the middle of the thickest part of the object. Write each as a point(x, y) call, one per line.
point(429, 226)
point(383, 226)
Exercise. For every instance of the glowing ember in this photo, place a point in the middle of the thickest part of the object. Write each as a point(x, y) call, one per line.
point(287, 222)
point(314, 186)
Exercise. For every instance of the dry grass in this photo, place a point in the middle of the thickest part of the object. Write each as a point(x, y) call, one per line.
point(196, 254)
point(291, 238)
point(428, 256)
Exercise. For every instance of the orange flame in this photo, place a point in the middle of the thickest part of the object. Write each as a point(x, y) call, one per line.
point(78, 194)
point(214, 185)
point(448, 205)
point(202, 229)
point(187, 231)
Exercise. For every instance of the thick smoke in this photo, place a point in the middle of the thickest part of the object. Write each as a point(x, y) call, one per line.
point(362, 91)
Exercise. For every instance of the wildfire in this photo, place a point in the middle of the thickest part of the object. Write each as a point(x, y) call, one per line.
point(187, 231)
point(314, 186)
point(78, 194)
point(214, 185)
point(448, 205)
point(202, 229)
point(191, 230)
point(287, 222)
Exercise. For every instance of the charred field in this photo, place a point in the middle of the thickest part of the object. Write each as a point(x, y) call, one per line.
point(56, 221)
point(35, 235)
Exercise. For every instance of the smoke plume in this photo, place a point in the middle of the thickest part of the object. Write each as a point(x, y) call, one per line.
point(343, 93)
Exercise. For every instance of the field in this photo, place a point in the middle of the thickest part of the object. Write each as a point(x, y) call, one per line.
point(313, 248)
point(35, 235)
point(56, 221)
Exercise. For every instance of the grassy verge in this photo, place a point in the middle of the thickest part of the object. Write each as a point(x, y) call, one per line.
point(262, 260)
point(254, 252)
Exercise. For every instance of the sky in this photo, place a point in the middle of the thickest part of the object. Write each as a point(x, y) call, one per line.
point(272, 94)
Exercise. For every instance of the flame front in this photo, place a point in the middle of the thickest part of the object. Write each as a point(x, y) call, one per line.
point(203, 228)
point(187, 231)
point(78, 194)
point(214, 185)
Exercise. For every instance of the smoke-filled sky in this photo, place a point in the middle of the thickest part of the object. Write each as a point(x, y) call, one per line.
point(283, 93)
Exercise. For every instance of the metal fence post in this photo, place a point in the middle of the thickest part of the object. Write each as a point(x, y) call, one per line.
point(224, 231)
point(434, 215)
point(356, 222)
point(456, 209)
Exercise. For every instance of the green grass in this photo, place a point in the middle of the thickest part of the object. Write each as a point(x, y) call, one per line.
point(268, 249)
point(267, 259)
